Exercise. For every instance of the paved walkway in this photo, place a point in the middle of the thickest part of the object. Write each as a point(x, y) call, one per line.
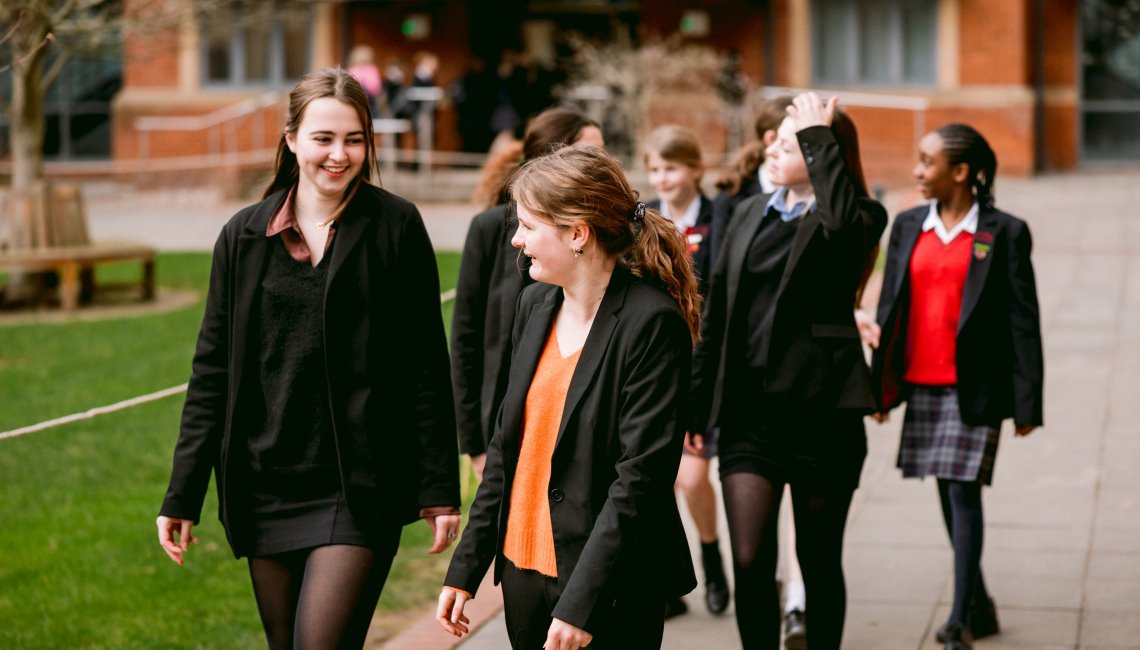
point(1062, 553)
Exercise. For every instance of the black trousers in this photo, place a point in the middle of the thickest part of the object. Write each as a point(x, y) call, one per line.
point(529, 599)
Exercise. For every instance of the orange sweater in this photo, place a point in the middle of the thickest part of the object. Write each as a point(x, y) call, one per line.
point(529, 543)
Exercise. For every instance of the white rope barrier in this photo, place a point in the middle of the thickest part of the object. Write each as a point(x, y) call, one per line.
point(134, 401)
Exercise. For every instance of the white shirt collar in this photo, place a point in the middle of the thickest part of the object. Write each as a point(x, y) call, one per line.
point(934, 222)
point(687, 220)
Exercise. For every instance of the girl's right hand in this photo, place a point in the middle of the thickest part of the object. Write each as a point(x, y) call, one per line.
point(449, 612)
point(695, 443)
point(869, 330)
point(174, 537)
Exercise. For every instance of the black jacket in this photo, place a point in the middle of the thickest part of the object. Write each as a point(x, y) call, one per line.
point(386, 355)
point(724, 207)
point(999, 359)
point(491, 276)
point(815, 357)
point(700, 241)
point(617, 531)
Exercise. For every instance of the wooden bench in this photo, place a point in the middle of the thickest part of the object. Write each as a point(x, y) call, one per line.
point(45, 230)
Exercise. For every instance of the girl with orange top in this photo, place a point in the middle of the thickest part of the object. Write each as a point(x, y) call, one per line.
point(576, 508)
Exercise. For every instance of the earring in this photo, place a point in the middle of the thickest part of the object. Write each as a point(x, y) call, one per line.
point(577, 252)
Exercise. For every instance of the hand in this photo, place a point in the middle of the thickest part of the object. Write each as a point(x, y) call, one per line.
point(1024, 429)
point(168, 530)
point(881, 418)
point(563, 636)
point(449, 611)
point(444, 528)
point(809, 110)
point(477, 463)
point(695, 443)
point(869, 330)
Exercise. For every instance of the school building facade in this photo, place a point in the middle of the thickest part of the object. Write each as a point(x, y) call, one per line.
point(1052, 83)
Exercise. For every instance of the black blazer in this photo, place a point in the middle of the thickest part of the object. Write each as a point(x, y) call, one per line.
point(699, 242)
point(815, 357)
point(723, 207)
point(617, 531)
point(389, 393)
point(999, 360)
point(491, 276)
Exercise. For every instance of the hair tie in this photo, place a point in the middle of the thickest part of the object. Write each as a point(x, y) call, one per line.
point(638, 212)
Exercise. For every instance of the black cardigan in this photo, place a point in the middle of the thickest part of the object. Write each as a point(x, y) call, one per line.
point(386, 354)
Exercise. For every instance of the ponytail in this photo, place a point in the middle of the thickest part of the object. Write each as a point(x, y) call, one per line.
point(659, 254)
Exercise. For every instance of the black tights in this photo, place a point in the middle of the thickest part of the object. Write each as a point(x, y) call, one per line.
point(322, 597)
point(962, 512)
point(752, 503)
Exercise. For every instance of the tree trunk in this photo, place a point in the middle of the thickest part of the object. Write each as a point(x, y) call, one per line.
point(26, 112)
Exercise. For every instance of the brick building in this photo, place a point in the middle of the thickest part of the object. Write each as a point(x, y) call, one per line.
point(1052, 83)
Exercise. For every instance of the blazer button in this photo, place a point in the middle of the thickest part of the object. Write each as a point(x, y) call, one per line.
point(556, 494)
point(809, 160)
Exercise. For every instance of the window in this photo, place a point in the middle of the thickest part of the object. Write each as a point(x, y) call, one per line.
point(261, 44)
point(874, 42)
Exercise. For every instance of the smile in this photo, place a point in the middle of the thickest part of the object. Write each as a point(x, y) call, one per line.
point(335, 171)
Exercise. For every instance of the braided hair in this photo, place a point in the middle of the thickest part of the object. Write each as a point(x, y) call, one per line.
point(963, 144)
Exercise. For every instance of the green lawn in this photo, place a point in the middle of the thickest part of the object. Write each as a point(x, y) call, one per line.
point(80, 566)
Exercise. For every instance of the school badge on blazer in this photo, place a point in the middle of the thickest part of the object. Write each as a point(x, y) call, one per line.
point(695, 236)
point(983, 243)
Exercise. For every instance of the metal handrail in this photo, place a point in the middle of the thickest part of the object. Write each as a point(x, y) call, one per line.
point(227, 115)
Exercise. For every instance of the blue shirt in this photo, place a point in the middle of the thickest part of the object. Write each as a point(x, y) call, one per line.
point(778, 202)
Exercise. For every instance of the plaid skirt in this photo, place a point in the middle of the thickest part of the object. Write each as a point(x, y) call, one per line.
point(936, 442)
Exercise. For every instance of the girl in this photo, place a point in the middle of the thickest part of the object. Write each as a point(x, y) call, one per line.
point(673, 160)
point(962, 347)
point(576, 507)
point(490, 280)
point(326, 422)
point(780, 367)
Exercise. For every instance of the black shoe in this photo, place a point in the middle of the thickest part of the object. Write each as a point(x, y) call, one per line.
point(716, 584)
point(983, 622)
point(957, 637)
point(675, 607)
point(795, 630)
point(716, 595)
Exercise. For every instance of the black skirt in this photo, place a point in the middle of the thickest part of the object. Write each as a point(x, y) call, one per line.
point(819, 452)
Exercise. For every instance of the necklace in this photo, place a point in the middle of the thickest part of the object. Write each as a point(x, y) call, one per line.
point(323, 224)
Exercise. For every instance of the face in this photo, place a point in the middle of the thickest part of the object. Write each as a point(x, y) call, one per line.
point(329, 145)
point(591, 135)
point(547, 246)
point(674, 182)
point(936, 179)
point(784, 160)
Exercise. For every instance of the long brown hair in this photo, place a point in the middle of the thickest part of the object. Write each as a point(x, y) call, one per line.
point(553, 128)
point(847, 137)
point(585, 185)
point(750, 157)
point(318, 84)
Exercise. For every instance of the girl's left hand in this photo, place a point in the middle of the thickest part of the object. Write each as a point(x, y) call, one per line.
point(444, 528)
point(563, 636)
point(809, 110)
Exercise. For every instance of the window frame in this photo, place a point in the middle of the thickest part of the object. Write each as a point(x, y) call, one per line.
point(853, 21)
point(238, 49)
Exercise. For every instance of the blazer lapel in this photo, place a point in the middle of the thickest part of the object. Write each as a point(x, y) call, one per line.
point(739, 250)
point(981, 254)
point(349, 231)
point(596, 345)
point(804, 232)
point(248, 269)
point(911, 229)
point(523, 365)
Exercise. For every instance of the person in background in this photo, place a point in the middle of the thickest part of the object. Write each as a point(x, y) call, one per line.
point(675, 166)
point(958, 338)
point(780, 367)
point(491, 276)
point(319, 397)
point(576, 507)
point(361, 67)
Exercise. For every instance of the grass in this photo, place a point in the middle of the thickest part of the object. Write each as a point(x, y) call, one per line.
point(80, 566)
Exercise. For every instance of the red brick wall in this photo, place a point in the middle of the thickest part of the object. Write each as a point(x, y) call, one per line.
point(150, 58)
point(994, 42)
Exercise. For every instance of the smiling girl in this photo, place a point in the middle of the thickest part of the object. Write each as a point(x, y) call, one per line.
point(326, 421)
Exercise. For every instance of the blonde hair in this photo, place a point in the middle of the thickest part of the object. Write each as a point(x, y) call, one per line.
point(585, 185)
point(675, 144)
